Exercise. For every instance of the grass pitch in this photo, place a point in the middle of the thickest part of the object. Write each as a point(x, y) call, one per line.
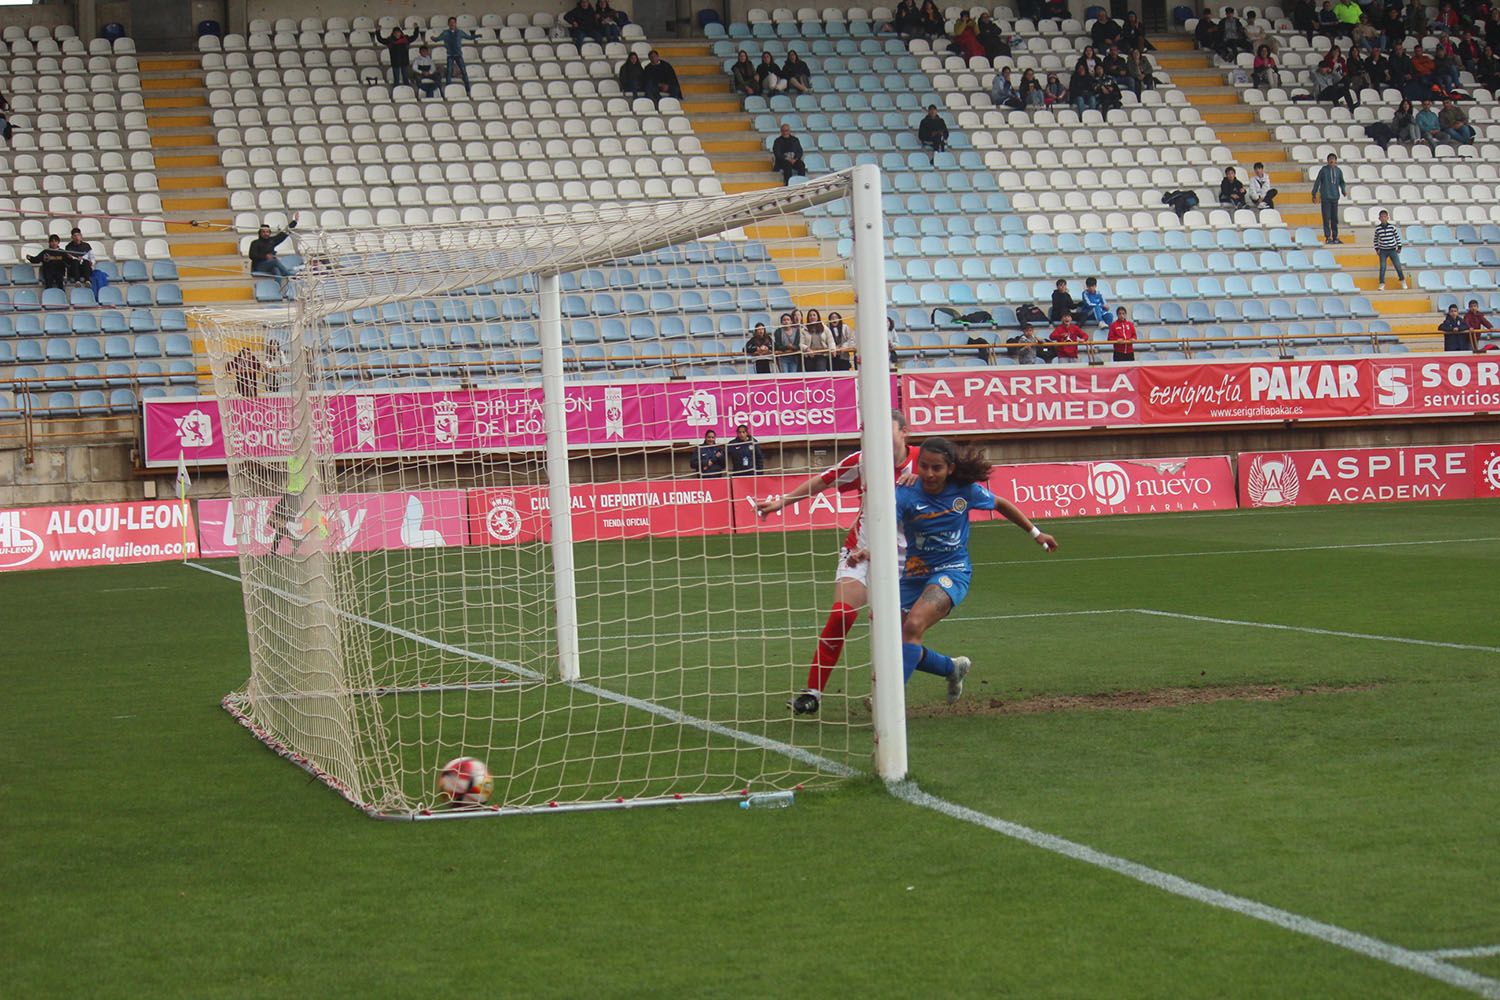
point(148, 847)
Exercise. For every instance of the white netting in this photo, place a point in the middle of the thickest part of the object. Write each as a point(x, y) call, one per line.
point(391, 495)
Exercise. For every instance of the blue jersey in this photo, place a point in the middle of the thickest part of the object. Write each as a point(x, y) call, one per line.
point(937, 526)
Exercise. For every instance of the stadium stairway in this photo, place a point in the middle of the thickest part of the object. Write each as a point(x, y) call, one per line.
point(1235, 123)
point(739, 157)
point(194, 201)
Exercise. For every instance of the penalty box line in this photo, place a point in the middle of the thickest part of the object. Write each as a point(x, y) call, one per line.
point(1421, 963)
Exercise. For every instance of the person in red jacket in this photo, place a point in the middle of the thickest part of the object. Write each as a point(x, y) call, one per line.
point(1068, 336)
point(1122, 336)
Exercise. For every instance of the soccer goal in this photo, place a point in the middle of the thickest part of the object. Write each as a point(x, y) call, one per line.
point(476, 517)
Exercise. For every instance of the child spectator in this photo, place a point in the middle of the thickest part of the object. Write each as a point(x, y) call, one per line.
point(1388, 248)
point(1030, 90)
point(1067, 336)
point(1094, 308)
point(760, 347)
point(398, 44)
point(53, 262)
point(1231, 191)
point(1258, 191)
point(1054, 92)
point(80, 257)
point(1003, 93)
point(1122, 336)
point(453, 38)
point(1456, 333)
point(1476, 321)
point(1062, 302)
point(424, 73)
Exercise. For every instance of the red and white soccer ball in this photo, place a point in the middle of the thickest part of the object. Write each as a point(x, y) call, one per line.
point(465, 781)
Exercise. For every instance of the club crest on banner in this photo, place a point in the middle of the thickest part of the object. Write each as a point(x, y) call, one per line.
point(445, 421)
point(701, 409)
point(502, 521)
point(195, 429)
point(1273, 482)
point(364, 421)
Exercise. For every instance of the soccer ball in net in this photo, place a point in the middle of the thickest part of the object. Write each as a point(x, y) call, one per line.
point(465, 780)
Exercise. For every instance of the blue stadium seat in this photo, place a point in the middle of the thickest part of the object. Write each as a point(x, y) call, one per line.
point(163, 270)
point(133, 270)
point(121, 400)
point(178, 346)
point(139, 295)
point(82, 298)
point(172, 320)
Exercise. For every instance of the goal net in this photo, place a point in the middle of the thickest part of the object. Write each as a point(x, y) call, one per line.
point(476, 516)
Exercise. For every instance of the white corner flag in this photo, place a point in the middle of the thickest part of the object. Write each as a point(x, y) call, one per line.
point(182, 484)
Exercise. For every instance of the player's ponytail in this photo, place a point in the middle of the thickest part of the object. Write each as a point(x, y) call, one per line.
point(969, 465)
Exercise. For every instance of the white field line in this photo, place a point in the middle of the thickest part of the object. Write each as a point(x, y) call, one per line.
point(1308, 630)
point(1485, 951)
point(1422, 964)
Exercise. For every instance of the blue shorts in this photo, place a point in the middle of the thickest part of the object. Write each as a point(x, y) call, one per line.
point(954, 583)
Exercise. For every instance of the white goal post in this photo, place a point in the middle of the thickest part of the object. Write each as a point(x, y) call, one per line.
point(466, 526)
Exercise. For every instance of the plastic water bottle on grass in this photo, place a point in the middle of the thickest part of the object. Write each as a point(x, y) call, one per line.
point(768, 800)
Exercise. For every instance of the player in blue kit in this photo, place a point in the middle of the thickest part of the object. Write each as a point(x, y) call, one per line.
point(934, 514)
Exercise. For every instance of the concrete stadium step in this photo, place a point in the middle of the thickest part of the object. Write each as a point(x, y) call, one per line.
point(185, 100)
point(173, 82)
point(166, 64)
point(1173, 43)
point(1402, 306)
point(762, 183)
point(733, 145)
point(175, 161)
point(727, 104)
point(207, 294)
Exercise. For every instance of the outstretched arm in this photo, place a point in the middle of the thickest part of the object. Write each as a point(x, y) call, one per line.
point(1013, 514)
point(770, 505)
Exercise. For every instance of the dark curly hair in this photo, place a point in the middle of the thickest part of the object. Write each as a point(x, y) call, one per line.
point(969, 464)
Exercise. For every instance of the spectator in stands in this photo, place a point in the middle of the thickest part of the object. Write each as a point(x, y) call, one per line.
point(1456, 333)
point(1093, 307)
point(1347, 13)
point(1081, 90)
point(1492, 29)
point(786, 155)
point(1231, 190)
point(245, 371)
point(398, 44)
point(1122, 337)
point(1056, 10)
point(1133, 35)
point(1328, 21)
point(1054, 92)
point(1062, 302)
point(760, 348)
point(769, 75)
point(1366, 36)
point(1487, 70)
point(1232, 37)
point(1264, 73)
point(53, 262)
point(1327, 188)
point(1429, 128)
point(1447, 20)
point(929, 20)
point(964, 38)
point(795, 72)
point(276, 366)
point(1404, 124)
point(1393, 27)
point(1476, 321)
point(1356, 73)
point(612, 20)
point(632, 76)
point(1305, 18)
point(1106, 91)
point(707, 458)
point(1259, 193)
point(1089, 61)
point(1379, 68)
point(6, 128)
point(453, 38)
point(1031, 92)
point(1453, 121)
point(1470, 51)
point(843, 343)
point(1448, 66)
point(1402, 74)
point(788, 345)
point(744, 453)
point(1067, 336)
point(745, 80)
point(991, 38)
point(424, 73)
point(1118, 70)
point(661, 78)
point(1423, 67)
point(1026, 348)
point(1388, 248)
point(1003, 93)
point(1206, 32)
point(817, 344)
point(1328, 79)
point(262, 254)
point(583, 23)
point(1139, 66)
point(932, 132)
point(906, 20)
point(80, 257)
point(1104, 31)
point(1257, 34)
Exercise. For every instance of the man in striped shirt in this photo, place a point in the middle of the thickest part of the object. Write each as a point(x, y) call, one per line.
point(1388, 248)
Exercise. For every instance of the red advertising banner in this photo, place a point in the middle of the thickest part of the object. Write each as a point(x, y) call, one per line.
point(96, 534)
point(829, 509)
point(1092, 489)
point(1036, 397)
point(601, 511)
point(1369, 475)
point(1041, 397)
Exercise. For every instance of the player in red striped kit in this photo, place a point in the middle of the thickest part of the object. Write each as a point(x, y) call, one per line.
point(850, 587)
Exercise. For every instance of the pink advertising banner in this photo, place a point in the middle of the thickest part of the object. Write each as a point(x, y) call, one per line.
point(1369, 475)
point(508, 419)
point(830, 509)
point(96, 535)
point(667, 508)
point(1034, 397)
point(1092, 489)
point(360, 522)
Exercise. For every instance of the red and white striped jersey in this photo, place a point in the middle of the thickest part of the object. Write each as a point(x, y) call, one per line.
point(846, 478)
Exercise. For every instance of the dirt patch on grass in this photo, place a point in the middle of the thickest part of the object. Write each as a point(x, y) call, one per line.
point(1130, 701)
